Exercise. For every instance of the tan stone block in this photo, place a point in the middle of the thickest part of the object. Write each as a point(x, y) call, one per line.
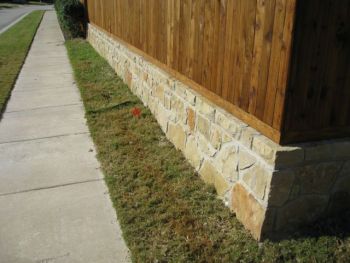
point(160, 75)
point(226, 161)
point(167, 102)
point(145, 98)
point(248, 210)
point(229, 168)
point(162, 117)
point(274, 154)
point(205, 108)
point(211, 176)
point(257, 179)
point(177, 135)
point(230, 124)
point(192, 152)
point(180, 89)
point(135, 87)
point(280, 187)
point(191, 97)
point(205, 146)
point(222, 120)
point(191, 119)
point(318, 178)
point(153, 105)
point(128, 78)
point(137, 71)
point(171, 83)
point(146, 93)
point(150, 81)
point(117, 69)
point(226, 138)
point(264, 147)
point(215, 136)
point(247, 136)
point(301, 211)
point(246, 160)
point(144, 76)
point(173, 117)
point(203, 126)
point(159, 93)
point(177, 105)
point(125, 61)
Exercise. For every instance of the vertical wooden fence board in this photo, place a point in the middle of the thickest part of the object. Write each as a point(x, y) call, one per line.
point(228, 60)
point(234, 71)
point(270, 99)
point(278, 112)
point(221, 47)
point(249, 27)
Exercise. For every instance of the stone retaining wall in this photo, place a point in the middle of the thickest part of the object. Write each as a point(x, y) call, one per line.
point(269, 187)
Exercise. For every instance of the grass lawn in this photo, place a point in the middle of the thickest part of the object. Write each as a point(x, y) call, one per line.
point(7, 5)
point(14, 46)
point(166, 212)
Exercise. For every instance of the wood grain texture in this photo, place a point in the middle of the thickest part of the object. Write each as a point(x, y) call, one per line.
point(222, 45)
point(245, 52)
point(318, 96)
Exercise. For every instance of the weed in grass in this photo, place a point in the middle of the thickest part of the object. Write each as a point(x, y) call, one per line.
point(166, 212)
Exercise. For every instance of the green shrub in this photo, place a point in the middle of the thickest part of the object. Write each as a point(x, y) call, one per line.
point(71, 16)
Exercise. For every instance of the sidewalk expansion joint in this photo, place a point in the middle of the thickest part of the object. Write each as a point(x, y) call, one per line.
point(37, 89)
point(47, 137)
point(44, 107)
point(51, 187)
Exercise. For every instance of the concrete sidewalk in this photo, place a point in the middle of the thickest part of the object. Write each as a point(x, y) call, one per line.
point(54, 205)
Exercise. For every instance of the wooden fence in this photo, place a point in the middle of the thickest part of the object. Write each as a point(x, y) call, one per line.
point(318, 98)
point(238, 51)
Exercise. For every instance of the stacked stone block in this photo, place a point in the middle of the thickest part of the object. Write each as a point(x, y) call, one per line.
point(270, 188)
